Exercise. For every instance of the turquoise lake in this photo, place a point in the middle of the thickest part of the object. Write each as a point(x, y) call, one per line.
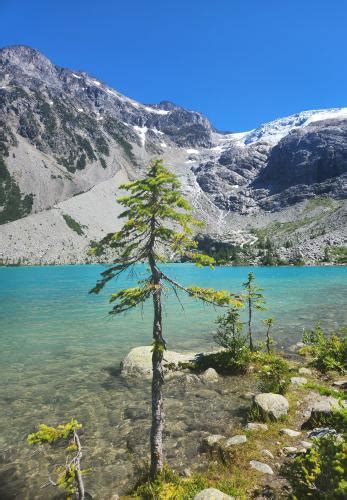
point(60, 352)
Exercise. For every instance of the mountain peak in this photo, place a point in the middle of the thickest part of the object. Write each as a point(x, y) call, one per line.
point(21, 59)
point(23, 53)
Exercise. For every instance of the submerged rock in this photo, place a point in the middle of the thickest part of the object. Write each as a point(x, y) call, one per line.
point(138, 362)
point(210, 376)
point(261, 467)
point(212, 494)
point(271, 406)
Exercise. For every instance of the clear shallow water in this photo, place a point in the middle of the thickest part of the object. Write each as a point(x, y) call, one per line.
point(59, 354)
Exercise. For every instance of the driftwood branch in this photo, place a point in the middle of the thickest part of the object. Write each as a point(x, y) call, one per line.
point(77, 463)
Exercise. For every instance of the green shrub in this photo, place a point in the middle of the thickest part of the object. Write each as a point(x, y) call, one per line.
point(170, 486)
point(228, 362)
point(274, 374)
point(81, 162)
point(325, 391)
point(229, 331)
point(14, 203)
point(73, 224)
point(329, 352)
point(338, 255)
point(320, 472)
point(337, 419)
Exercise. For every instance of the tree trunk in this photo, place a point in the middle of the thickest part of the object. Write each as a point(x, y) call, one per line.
point(157, 459)
point(250, 323)
point(157, 456)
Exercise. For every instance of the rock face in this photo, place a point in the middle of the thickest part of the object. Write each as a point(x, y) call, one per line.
point(212, 494)
point(308, 156)
point(271, 406)
point(138, 363)
point(68, 140)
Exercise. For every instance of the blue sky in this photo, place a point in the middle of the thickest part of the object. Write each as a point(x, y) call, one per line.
point(240, 62)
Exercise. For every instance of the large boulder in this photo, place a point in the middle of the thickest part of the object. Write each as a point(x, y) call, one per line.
point(322, 410)
point(270, 406)
point(138, 363)
point(212, 494)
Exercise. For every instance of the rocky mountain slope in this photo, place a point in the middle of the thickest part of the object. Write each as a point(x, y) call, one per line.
point(67, 141)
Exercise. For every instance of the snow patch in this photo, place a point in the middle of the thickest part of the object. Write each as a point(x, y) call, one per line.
point(80, 110)
point(192, 151)
point(327, 114)
point(141, 131)
point(77, 76)
point(156, 111)
point(163, 145)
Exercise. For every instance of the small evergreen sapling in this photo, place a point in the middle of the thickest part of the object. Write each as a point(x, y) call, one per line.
point(69, 475)
point(158, 221)
point(255, 300)
point(229, 331)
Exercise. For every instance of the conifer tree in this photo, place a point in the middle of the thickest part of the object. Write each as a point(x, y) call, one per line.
point(158, 223)
point(255, 300)
point(229, 329)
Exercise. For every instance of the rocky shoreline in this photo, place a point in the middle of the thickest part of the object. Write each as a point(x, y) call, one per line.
point(263, 445)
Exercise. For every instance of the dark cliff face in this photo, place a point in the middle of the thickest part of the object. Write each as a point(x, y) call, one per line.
point(309, 161)
point(307, 156)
